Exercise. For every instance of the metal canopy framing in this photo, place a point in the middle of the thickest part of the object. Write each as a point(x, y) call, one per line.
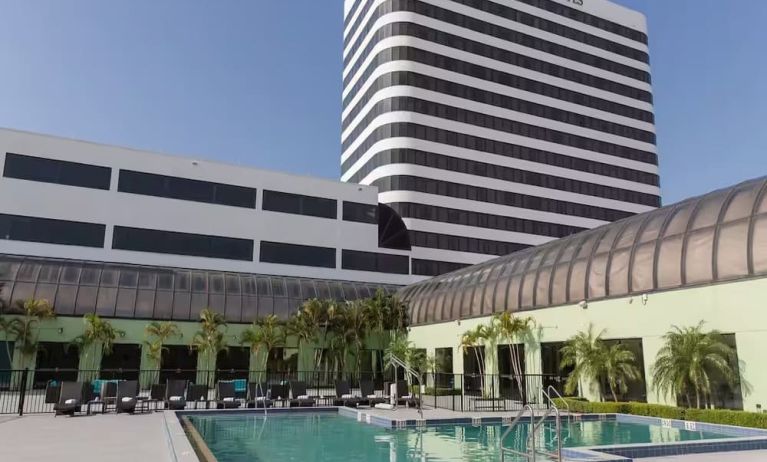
point(720, 236)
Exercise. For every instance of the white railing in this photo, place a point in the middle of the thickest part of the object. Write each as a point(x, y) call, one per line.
point(408, 370)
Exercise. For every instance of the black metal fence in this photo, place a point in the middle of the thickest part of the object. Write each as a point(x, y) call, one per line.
point(37, 391)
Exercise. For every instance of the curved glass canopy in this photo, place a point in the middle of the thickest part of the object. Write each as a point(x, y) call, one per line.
point(149, 292)
point(719, 236)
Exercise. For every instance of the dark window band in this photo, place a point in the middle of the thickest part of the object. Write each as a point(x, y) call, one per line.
point(175, 243)
point(435, 268)
point(455, 164)
point(50, 231)
point(295, 254)
point(502, 78)
point(493, 196)
point(463, 243)
point(482, 220)
point(422, 132)
point(503, 33)
point(446, 87)
point(172, 187)
point(367, 5)
point(500, 124)
point(56, 171)
point(349, 14)
point(299, 204)
point(361, 213)
point(494, 53)
point(586, 18)
point(378, 262)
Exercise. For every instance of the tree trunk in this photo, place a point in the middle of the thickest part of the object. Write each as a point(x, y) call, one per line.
point(612, 392)
point(697, 398)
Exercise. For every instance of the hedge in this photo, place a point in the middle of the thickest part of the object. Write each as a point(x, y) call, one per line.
point(715, 416)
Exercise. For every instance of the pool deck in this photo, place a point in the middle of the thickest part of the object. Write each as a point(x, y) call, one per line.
point(97, 438)
point(143, 437)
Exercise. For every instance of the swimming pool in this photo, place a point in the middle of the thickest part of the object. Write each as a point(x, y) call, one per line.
point(330, 437)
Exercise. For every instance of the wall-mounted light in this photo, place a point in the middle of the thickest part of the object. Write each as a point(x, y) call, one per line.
point(583, 304)
point(61, 330)
point(122, 334)
point(458, 321)
point(194, 162)
point(644, 299)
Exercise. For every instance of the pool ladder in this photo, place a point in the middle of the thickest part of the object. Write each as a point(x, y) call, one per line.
point(531, 450)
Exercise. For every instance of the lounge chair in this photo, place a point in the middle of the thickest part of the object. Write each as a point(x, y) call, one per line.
point(344, 396)
point(127, 394)
point(197, 393)
point(368, 393)
point(404, 396)
point(175, 394)
point(225, 396)
point(257, 396)
point(156, 396)
point(70, 398)
point(300, 398)
point(279, 393)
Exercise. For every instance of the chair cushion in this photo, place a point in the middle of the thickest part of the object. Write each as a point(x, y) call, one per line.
point(302, 397)
point(228, 400)
point(347, 396)
point(126, 399)
point(372, 396)
point(70, 401)
point(176, 398)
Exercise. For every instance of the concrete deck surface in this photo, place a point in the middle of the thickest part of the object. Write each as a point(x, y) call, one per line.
point(737, 456)
point(97, 438)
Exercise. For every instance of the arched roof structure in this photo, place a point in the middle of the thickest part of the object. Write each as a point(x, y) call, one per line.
point(720, 236)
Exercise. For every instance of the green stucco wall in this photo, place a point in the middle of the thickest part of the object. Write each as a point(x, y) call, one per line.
point(738, 308)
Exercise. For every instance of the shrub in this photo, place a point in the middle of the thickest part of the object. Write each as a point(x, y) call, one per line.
point(715, 416)
point(727, 417)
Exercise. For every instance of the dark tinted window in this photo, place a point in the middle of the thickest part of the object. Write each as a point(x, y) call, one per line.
point(294, 254)
point(32, 229)
point(300, 205)
point(378, 262)
point(198, 245)
point(363, 213)
point(186, 189)
point(56, 171)
point(435, 268)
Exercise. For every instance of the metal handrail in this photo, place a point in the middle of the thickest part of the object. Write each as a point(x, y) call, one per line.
point(258, 384)
point(558, 422)
point(567, 406)
point(519, 416)
point(408, 370)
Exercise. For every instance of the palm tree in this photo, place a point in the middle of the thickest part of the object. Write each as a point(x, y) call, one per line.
point(593, 360)
point(7, 327)
point(24, 330)
point(473, 339)
point(306, 324)
point(265, 334)
point(510, 327)
point(209, 340)
point(98, 337)
point(157, 334)
point(688, 360)
point(619, 366)
point(356, 322)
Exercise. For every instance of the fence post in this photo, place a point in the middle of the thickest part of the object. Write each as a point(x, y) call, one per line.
point(23, 390)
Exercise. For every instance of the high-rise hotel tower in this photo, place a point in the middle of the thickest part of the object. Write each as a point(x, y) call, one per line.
point(492, 125)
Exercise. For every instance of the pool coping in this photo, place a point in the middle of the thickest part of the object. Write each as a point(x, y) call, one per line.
point(739, 438)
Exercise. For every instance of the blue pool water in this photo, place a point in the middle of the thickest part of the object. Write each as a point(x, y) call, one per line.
point(328, 437)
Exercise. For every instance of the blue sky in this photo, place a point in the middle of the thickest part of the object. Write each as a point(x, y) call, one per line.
point(257, 82)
